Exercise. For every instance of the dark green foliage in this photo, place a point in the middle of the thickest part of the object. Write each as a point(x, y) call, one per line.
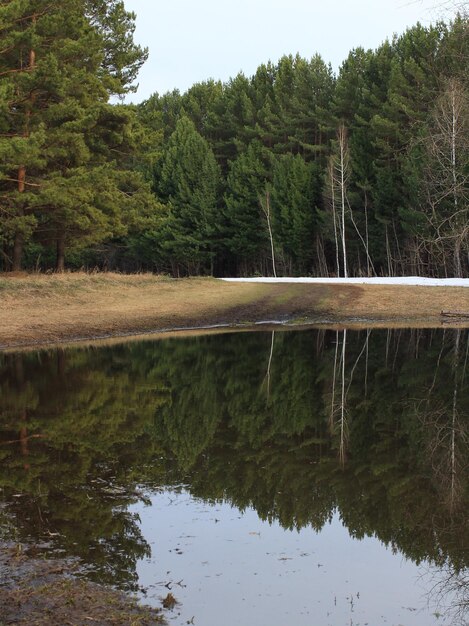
point(65, 152)
point(276, 130)
point(75, 169)
point(188, 182)
point(245, 231)
point(296, 196)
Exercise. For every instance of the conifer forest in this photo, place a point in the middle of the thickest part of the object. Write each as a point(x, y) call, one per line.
point(296, 170)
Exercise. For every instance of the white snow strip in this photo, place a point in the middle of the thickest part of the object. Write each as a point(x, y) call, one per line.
point(401, 280)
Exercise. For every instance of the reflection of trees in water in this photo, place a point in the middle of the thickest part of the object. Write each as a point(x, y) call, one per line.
point(266, 381)
point(338, 416)
point(445, 424)
point(342, 380)
point(278, 456)
point(438, 401)
point(297, 425)
point(449, 592)
point(75, 489)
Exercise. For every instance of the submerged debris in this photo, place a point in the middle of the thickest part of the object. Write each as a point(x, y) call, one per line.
point(169, 602)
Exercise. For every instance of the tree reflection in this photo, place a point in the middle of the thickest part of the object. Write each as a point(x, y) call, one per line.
point(298, 425)
point(449, 592)
point(445, 427)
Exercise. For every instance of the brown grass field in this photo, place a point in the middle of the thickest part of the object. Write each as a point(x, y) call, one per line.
point(40, 309)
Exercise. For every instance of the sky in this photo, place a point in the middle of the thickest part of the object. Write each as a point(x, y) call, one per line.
point(195, 40)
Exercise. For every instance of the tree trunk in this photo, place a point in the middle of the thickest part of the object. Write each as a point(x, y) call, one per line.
point(17, 253)
point(343, 174)
point(265, 204)
point(334, 218)
point(367, 238)
point(60, 259)
point(457, 257)
point(19, 237)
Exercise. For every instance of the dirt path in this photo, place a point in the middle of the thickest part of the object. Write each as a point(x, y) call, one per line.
point(46, 309)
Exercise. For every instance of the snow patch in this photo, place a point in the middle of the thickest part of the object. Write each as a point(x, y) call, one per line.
point(401, 280)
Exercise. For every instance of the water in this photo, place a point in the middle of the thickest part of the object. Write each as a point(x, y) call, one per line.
point(258, 571)
point(306, 478)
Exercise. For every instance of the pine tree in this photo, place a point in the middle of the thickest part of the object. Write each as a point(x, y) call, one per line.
point(296, 193)
point(245, 234)
point(412, 86)
point(231, 121)
point(63, 148)
point(189, 182)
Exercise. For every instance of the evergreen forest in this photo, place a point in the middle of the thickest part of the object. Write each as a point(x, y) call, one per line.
point(297, 170)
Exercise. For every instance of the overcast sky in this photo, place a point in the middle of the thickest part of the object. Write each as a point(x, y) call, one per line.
point(195, 40)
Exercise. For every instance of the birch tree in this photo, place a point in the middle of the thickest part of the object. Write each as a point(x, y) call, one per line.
point(446, 177)
point(264, 201)
point(338, 177)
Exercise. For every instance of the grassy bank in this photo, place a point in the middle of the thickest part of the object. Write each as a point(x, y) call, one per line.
point(43, 309)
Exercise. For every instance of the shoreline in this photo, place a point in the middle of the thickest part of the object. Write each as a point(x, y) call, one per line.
point(40, 311)
point(267, 326)
point(37, 589)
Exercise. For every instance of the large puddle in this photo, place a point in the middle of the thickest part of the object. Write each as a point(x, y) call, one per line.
point(308, 478)
point(255, 570)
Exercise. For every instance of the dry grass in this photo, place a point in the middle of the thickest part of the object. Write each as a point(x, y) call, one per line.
point(43, 309)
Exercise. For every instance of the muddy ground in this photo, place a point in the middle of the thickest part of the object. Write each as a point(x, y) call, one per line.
point(36, 591)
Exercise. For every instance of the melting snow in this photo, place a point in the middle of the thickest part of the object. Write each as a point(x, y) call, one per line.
point(401, 280)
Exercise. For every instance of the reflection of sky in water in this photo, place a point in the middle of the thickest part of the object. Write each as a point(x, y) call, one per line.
point(238, 571)
point(210, 413)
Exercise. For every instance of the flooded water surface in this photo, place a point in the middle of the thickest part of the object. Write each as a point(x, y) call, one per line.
point(306, 478)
